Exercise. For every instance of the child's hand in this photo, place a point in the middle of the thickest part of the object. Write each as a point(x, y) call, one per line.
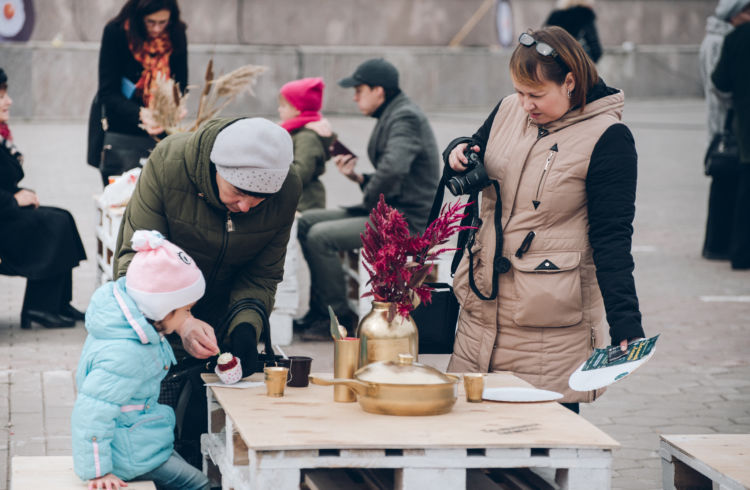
point(108, 482)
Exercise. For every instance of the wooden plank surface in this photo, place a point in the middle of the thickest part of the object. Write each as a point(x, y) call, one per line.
point(53, 472)
point(308, 418)
point(728, 454)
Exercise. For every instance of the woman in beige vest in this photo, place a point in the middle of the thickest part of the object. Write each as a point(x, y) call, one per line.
point(559, 209)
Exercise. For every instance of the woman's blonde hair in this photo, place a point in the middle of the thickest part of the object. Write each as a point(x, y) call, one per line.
point(529, 67)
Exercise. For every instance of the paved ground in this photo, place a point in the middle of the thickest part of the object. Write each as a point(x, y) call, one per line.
point(698, 382)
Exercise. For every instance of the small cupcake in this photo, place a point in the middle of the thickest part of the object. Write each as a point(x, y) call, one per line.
point(228, 368)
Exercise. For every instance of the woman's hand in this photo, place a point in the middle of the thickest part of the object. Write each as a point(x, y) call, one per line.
point(148, 123)
point(457, 160)
point(346, 164)
point(25, 198)
point(624, 343)
point(322, 127)
point(108, 482)
point(198, 338)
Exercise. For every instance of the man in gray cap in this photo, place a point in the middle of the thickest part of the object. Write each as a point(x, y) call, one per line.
point(224, 194)
point(403, 150)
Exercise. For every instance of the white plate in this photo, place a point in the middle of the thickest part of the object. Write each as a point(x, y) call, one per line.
point(519, 394)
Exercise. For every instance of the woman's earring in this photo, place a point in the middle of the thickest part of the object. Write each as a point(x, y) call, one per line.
point(569, 93)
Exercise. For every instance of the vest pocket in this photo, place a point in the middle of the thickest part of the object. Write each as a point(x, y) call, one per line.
point(548, 289)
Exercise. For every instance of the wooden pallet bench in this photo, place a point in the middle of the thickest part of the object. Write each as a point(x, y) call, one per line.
point(56, 472)
point(711, 461)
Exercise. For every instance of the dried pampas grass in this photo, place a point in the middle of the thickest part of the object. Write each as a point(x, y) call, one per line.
point(168, 106)
point(225, 88)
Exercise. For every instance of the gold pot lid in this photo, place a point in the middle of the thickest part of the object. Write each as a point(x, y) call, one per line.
point(402, 372)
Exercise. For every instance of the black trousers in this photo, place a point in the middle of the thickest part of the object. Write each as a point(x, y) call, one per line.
point(50, 294)
point(722, 201)
point(739, 249)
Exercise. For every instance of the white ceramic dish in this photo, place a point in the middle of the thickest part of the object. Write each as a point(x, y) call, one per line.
point(519, 394)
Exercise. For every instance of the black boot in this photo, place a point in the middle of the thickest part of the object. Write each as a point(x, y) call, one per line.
point(71, 312)
point(45, 319)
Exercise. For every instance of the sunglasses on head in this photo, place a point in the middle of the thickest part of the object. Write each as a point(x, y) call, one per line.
point(542, 48)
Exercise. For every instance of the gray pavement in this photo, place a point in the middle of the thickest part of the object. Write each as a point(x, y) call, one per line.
point(698, 381)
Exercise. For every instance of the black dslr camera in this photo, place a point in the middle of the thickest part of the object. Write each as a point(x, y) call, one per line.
point(473, 179)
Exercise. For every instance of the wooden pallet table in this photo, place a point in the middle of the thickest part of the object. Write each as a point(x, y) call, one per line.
point(259, 442)
point(718, 461)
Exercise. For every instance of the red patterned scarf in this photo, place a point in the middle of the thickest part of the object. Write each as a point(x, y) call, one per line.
point(153, 55)
point(5, 132)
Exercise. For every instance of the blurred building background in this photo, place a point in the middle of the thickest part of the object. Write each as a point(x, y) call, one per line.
point(651, 48)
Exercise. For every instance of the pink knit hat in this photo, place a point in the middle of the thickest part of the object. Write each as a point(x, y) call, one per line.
point(305, 94)
point(161, 277)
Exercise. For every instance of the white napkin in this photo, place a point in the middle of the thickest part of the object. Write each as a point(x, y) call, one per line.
point(239, 384)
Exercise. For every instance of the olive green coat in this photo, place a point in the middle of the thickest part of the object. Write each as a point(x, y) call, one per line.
point(241, 255)
point(310, 156)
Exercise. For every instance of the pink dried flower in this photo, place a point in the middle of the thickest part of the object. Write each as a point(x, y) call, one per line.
point(397, 262)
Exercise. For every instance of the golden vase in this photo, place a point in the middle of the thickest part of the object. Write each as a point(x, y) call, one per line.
point(383, 340)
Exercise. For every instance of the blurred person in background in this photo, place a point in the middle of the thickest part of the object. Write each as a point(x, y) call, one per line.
point(556, 247)
point(40, 243)
point(578, 18)
point(146, 39)
point(403, 150)
point(299, 110)
point(732, 75)
point(723, 192)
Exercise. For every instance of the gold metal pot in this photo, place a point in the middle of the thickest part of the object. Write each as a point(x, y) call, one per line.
point(400, 388)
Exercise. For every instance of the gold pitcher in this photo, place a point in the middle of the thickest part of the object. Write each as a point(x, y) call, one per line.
point(382, 340)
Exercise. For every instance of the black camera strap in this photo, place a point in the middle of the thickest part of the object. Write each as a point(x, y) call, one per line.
point(466, 237)
point(499, 263)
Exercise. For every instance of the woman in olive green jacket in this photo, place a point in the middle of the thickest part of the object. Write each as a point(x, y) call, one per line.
point(240, 251)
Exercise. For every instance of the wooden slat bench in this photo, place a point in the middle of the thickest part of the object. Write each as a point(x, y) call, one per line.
point(53, 472)
point(718, 461)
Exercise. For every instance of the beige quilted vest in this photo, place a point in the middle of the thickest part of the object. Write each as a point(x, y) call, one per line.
point(549, 314)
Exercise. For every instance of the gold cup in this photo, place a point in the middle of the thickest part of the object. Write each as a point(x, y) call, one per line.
point(275, 380)
point(345, 361)
point(473, 386)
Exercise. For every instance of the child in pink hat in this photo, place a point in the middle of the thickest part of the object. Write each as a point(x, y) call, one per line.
point(119, 430)
point(299, 109)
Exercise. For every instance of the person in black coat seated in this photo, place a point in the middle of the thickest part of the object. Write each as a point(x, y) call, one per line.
point(578, 18)
point(40, 243)
point(145, 40)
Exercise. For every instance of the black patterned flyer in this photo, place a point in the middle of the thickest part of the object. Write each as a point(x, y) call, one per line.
point(605, 366)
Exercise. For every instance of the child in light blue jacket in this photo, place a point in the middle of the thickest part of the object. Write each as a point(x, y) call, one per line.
point(120, 432)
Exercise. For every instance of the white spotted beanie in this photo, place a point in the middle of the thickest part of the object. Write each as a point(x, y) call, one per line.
point(253, 154)
point(161, 277)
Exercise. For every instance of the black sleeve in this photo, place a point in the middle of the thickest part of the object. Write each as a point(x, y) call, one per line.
point(480, 137)
point(722, 74)
point(610, 189)
point(592, 41)
point(8, 203)
point(178, 63)
point(121, 112)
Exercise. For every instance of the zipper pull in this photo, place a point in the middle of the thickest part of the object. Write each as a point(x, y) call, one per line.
point(526, 244)
point(230, 224)
point(551, 155)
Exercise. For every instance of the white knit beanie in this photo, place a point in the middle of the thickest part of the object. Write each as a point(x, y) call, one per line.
point(726, 9)
point(253, 154)
point(161, 277)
